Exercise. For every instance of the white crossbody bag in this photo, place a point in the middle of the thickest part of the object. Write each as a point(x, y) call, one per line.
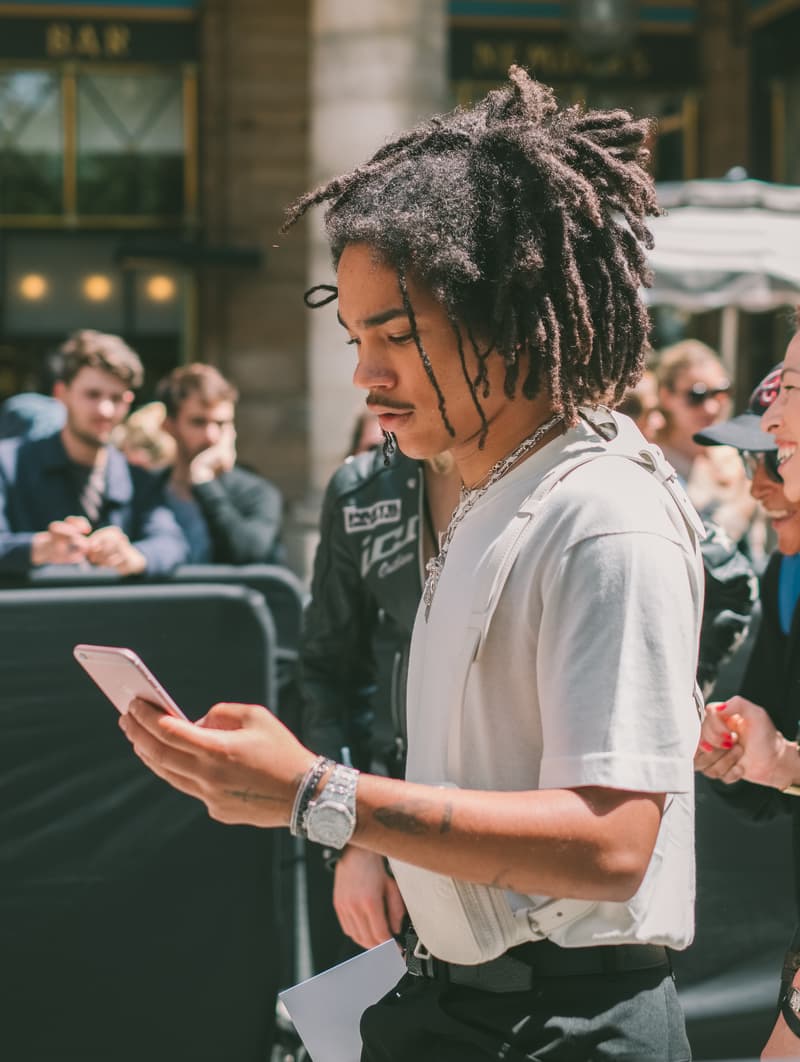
point(465, 923)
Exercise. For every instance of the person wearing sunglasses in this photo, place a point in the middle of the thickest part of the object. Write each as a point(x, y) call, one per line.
point(694, 395)
point(752, 738)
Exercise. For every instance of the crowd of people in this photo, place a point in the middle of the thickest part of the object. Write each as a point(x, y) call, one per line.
point(83, 483)
point(517, 564)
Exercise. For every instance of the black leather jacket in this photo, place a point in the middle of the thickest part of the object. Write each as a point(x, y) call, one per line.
point(366, 585)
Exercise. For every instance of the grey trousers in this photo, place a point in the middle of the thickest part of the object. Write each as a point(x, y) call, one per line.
point(633, 1016)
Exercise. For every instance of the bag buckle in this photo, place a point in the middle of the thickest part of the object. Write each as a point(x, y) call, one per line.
point(419, 961)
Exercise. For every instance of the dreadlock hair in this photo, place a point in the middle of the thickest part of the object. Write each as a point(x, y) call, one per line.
point(527, 223)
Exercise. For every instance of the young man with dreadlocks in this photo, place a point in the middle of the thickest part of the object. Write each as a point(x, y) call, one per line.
point(489, 265)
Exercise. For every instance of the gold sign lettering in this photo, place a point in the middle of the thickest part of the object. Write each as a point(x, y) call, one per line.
point(88, 40)
point(555, 60)
point(116, 40)
point(58, 40)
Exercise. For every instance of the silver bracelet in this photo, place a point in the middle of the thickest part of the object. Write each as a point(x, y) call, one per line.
point(304, 793)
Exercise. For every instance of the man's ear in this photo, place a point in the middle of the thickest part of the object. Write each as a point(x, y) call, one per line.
point(60, 391)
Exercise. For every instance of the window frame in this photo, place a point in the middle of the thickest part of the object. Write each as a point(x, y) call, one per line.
point(70, 218)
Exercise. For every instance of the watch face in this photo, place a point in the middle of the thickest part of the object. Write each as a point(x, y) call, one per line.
point(330, 823)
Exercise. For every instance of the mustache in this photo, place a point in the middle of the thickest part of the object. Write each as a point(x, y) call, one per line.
point(388, 403)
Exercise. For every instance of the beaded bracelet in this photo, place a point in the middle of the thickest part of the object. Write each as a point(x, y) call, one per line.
point(305, 792)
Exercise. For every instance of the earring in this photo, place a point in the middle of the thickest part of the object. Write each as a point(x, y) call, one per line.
point(389, 447)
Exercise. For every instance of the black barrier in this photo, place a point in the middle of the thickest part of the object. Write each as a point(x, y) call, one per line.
point(132, 925)
point(727, 980)
point(282, 591)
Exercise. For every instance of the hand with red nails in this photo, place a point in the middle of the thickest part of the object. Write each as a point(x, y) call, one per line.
point(719, 751)
point(744, 743)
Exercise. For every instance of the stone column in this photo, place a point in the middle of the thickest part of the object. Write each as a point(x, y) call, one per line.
point(725, 66)
point(254, 161)
point(376, 69)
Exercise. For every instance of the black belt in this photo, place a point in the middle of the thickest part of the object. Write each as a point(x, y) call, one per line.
point(518, 969)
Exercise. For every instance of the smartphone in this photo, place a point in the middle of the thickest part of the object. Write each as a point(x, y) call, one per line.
point(122, 676)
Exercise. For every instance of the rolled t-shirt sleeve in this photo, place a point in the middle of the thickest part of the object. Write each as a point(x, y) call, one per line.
point(617, 654)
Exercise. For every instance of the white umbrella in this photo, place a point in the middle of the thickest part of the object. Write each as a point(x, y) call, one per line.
point(729, 244)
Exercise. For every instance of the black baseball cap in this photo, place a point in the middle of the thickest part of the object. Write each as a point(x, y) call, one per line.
point(744, 432)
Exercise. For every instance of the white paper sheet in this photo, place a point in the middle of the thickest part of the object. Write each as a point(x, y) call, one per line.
point(326, 1009)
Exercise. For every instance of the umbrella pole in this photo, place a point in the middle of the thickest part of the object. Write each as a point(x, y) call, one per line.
point(729, 339)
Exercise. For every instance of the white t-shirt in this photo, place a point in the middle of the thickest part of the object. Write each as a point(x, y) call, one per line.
point(587, 673)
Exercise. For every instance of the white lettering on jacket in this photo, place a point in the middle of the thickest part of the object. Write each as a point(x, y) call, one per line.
point(389, 567)
point(378, 548)
point(382, 512)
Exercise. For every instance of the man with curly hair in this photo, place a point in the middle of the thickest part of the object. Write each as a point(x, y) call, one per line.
point(70, 497)
point(489, 264)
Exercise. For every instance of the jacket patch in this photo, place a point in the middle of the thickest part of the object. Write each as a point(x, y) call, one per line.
point(382, 512)
point(379, 549)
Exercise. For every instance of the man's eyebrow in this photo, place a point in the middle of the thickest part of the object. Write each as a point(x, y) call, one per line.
point(789, 369)
point(378, 318)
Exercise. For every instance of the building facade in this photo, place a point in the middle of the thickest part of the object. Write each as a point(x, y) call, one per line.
point(148, 149)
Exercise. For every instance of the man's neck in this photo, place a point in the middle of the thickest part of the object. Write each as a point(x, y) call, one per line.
point(442, 488)
point(516, 420)
point(82, 451)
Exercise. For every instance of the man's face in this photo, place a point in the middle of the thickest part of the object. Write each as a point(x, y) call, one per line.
point(96, 402)
point(782, 420)
point(389, 365)
point(698, 399)
point(198, 426)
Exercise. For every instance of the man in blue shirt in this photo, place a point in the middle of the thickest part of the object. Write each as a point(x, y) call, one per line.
point(71, 497)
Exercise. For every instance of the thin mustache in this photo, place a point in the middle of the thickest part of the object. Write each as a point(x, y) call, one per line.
point(388, 403)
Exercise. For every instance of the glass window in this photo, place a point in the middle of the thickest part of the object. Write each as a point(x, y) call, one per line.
point(130, 144)
point(31, 147)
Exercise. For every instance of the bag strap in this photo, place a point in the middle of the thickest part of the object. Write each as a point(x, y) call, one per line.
point(512, 539)
point(622, 439)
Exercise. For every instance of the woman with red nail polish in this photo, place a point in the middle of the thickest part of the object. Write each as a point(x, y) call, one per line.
point(752, 738)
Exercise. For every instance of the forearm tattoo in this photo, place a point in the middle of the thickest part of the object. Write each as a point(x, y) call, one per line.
point(410, 817)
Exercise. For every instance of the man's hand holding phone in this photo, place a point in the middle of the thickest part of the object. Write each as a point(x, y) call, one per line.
point(239, 760)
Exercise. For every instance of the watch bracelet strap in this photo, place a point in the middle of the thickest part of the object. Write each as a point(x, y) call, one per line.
point(341, 786)
point(305, 792)
point(790, 1008)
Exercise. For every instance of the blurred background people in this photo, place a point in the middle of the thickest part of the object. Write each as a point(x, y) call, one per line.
point(71, 497)
point(693, 394)
point(366, 434)
point(30, 415)
point(229, 514)
point(753, 735)
point(143, 440)
point(640, 403)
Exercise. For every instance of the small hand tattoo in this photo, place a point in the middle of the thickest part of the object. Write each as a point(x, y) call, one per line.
point(249, 797)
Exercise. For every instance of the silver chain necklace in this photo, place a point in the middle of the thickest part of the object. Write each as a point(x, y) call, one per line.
point(470, 496)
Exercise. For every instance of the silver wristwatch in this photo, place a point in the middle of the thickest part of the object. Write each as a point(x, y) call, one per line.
point(331, 818)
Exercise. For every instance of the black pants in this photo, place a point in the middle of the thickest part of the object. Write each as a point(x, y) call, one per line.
point(633, 1016)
